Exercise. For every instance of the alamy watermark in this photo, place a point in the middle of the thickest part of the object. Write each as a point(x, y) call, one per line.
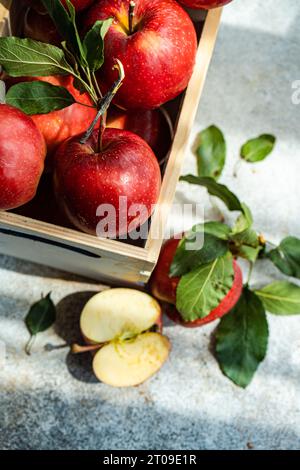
point(296, 92)
point(132, 222)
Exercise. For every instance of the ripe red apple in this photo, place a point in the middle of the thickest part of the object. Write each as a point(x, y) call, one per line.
point(164, 287)
point(86, 177)
point(158, 51)
point(78, 4)
point(22, 154)
point(58, 126)
point(118, 324)
point(204, 4)
point(153, 125)
point(39, 26)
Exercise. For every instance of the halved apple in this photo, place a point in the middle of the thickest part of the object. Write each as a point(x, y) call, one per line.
point(119, 313)
point(129, 363)
point(118, 326)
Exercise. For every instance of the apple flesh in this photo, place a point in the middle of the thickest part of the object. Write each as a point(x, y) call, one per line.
point(86, 178)
point(204, 4)
point(158, 54)
point(130, 363)
point(163, 287)
point(40, 27)
point(117, 323)
point(22, 155)
point(119, 313)
point(154, 126)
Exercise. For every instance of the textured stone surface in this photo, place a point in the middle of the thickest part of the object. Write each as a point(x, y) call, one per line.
point(51, 400)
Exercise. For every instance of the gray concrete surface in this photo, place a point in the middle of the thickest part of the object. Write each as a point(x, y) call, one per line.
point(51, 400)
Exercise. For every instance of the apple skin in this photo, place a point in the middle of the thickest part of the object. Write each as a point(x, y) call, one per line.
point(154, 126)
point(163, 287)
point(158, 58)
point(85, 179)
point(40, 27)
point(58, 126)
point(204, 4)
point(78, 4)
point(22, 155)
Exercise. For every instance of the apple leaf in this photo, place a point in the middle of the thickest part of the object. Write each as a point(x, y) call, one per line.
point(200, 291)
point(218, 229)
point(187, 259)
point(281, 298)
point(210, 152)
point(93, 44)
point(216, 189)
point(39, 97)
point(244, 220)
point(242, 339)
point(40, 317)
point(64, 21)
point(256, 150)
point(286, 257)
point(26, 57)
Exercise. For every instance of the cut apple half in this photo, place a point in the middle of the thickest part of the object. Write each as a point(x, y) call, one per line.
point(129, 363)
point(119, 314)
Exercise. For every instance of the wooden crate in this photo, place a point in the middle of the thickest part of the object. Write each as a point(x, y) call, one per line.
point(68, 249)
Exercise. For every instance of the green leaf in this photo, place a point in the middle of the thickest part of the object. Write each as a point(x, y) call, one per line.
point(65, 23)
point(244, 220)
point(210, 152)
point(200, 291)
point(249, 253)
point(38, 97)
point(256, 150)
point(216, 189)
point(189, 255)
point(286, 257)
point(40, 317)
point(218, 229)
point(78, 47)
point(281, 298)
point(26, 57)
point(242, 339)
point(93, 44)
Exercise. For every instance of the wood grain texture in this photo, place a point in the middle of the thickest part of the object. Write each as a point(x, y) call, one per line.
point(117, 260)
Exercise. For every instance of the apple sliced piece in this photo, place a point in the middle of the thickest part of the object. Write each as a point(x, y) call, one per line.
point(130, 363)
point(119, 313)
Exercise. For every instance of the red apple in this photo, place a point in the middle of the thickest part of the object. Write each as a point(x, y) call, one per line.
point(154, 126)
point(204, 4)
point(86, 178)
point(39, 26)
point(164, 287)
point(22, 154)
point(58, 126)
point(78, 4)
point(158, 52)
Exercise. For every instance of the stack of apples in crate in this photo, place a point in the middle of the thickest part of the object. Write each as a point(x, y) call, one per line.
point(85, 84)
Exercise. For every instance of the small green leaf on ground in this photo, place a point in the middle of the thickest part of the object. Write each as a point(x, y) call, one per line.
point(286, 257)
point(256, 150)
point(38, 97)
point(242, 339)
point(281, 298)
point(40, 317)
point(201, 291)
point(210, 152)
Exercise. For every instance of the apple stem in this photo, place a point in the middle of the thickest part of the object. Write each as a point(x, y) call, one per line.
point(78, 349)
point(104, 104)
point(131, 16)
point(101, 132)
